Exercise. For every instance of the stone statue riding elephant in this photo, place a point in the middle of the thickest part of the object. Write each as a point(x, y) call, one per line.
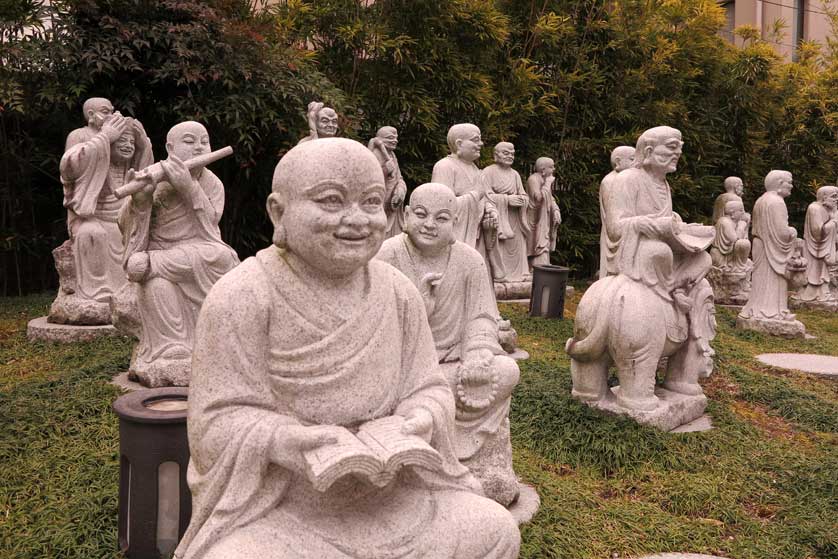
point(623, 322)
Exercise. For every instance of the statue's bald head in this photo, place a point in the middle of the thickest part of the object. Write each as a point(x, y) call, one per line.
point(462, 131)
point(434, 194)
point(328, 159)
point(386, 131)
point(177, 131)
point(654, 137)
point(542, 163)
point(622, 157)
point(96, 110)
point(732, 206)
point(734, 185)
point(827, 193)
point(775, 179)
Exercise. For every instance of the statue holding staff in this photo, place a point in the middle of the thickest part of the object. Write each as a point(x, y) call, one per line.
point(383, 145)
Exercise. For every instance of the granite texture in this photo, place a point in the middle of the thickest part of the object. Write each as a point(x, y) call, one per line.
point(627, 319)
point(775, 264)
point(464, 321)
point(384, 145)
point(507, 248)
point(543, 212)
point(173, 254)
point(41, 330)
point(322, 122)
point(703, 423)
point(730, 275)
point(807, 362)
point(622, 158)
point(98, 159)
point(310, 343)
point(819, 237)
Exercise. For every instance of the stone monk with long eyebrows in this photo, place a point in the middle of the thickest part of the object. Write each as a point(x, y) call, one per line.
point(451, 276)
point(305, 341)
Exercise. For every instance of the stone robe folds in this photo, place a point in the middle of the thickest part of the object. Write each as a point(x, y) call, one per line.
point(89, 179)
point(187, 256)
point(820, 253)
point(673, 259)
point(607, 247)
point(508, 256)
point(269, 353)
point(472, 201)
point(772, 246)
point(542, 238)
point(730, 247)
point(720, 203)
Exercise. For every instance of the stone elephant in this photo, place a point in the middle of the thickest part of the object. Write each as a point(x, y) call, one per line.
point(623, 322)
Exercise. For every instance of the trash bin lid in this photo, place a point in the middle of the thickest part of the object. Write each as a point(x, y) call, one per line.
point(153, 405)
point(551, 268)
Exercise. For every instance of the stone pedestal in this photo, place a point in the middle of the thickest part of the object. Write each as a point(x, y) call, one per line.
point(775, 327)
point(730, 287)
point(674, 410)
point(41, 330)
point(513, 290)
point(69, 307)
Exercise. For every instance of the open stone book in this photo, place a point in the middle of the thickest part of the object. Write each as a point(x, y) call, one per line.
point(376, 453)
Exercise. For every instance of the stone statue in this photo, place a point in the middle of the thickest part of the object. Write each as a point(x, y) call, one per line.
point(477, 216)
point(174, 254)
point(302, 350)
point(384, 147)
point(543, 212)
point(451, 276)
point(731, 272)
point(733, 191)
point(773, 245)
point(322, 122)
point(657, 305)
point(622, 157)
point(508, 254)
point(819, 236)
point(97, 161)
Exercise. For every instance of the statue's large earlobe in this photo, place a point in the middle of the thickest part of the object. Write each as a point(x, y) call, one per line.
point(647, 152)
point(169, 146)
point(275, 207)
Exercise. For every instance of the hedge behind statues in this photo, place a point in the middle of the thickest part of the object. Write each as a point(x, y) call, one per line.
point(566, 79)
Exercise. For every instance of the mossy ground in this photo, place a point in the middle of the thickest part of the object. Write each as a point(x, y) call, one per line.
point(760, 485)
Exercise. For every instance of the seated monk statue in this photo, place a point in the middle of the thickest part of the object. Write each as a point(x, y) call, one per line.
point(451, 276)
point(174, 252)
point(734, 188)
point(731, 247)
point(98, 160)
point(304, 345)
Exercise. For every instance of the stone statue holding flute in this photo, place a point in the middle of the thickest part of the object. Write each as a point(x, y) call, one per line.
point(173, 251)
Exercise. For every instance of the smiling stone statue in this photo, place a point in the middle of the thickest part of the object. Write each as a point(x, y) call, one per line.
point(307, 344)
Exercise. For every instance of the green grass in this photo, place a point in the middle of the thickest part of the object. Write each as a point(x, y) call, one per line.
point(761, 485)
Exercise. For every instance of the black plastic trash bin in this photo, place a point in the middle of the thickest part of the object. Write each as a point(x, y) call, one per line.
point(548, 289)
point(154, 501)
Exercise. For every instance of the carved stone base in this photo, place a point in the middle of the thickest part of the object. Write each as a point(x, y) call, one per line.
point(527, 504)
point(730, 288)
point(72, 309)
point(513, 290)
point(674, 410)
point(41, 330)
point(161, 372)
point(830, 305)
point(775, 327)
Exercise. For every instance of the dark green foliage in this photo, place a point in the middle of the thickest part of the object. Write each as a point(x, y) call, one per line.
point(570, 80)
